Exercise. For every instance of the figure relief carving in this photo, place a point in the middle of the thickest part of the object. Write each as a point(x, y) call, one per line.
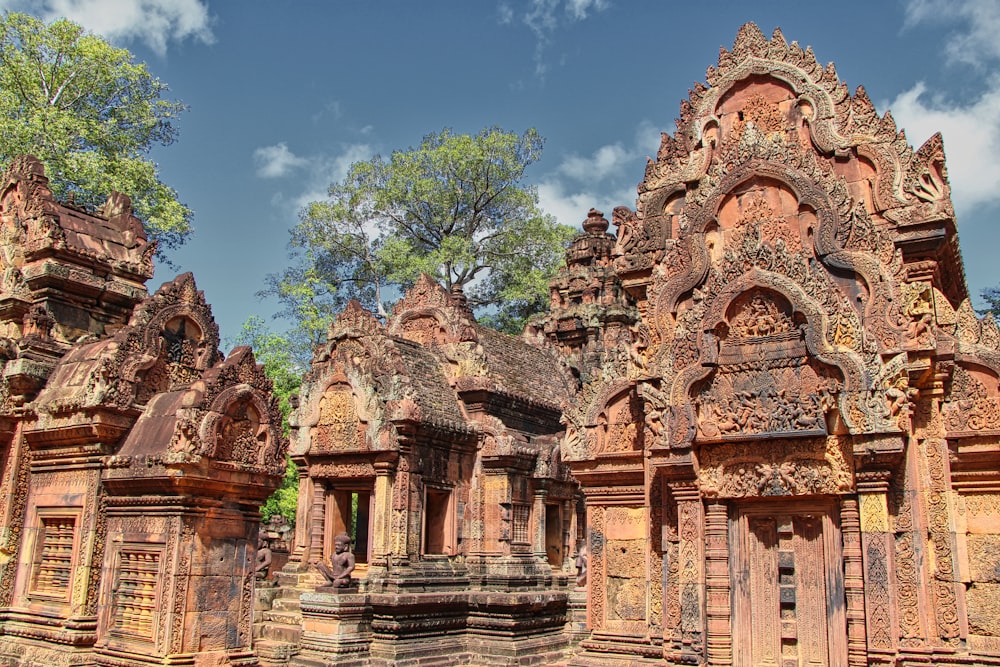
point(758, 218)
point(766, 117)
point(778, 468)
point(970, 406)
point(424, 330)
point(779, 400)
point(338, 428)
point(619, 426)
point(757, 315)
point(920, 308)
point(241, 437)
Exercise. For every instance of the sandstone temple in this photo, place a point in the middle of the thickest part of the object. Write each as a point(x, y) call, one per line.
point(759, 425)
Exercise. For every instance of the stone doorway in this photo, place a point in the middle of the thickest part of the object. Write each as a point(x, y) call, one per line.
point(788, 603)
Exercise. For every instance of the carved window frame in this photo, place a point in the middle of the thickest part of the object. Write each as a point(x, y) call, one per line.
point(45, 542)
point(125, 582)
point(520, 524)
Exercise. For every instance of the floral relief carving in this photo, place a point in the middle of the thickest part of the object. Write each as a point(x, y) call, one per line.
point(779, 468)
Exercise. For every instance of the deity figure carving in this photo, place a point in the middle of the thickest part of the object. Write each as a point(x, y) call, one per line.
point(338, 574)
point(920, 331)
point(263, 559)
point(581, 567)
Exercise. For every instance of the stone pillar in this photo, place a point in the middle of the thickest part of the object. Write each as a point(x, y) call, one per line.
point(689, 639)
point(569, 544)
point(303, 511)
point(717, 598)
point(854, 585)
point(877, 545)
point(381, 542)
point(538, 539)
point(595, 567)
point(317, 520)
point(400, 517)
point(947, 591)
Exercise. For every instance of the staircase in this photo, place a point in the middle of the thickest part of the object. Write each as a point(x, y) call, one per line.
point(277, 626)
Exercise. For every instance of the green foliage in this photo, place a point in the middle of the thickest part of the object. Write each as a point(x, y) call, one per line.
point(285, 500)
point(453, 207)
point(275, 353)
point(991, 295)
point(90, 114)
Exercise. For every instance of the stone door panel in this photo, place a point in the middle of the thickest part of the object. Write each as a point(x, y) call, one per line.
point(787, 589)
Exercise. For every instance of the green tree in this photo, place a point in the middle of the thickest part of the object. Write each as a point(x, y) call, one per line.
point(991, 295)
point(274, 352)
point(90, 114)
point(453, 207)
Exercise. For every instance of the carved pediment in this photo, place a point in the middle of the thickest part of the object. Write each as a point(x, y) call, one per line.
point(972, 407)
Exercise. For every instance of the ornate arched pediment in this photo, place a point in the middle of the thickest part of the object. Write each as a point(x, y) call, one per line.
point(239, 428)
point(973, 405)
point(618, 427)
point(767, 372)
point(428, 315)
point(340, 407)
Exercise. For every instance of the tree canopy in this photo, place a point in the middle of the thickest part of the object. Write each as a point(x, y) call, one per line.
point(91, 114)
point(991, 295)
point(453, 207)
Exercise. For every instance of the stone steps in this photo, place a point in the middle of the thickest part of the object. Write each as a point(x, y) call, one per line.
point(274, 653)
point(278, 627)
point(287, 603)
point(278, 633)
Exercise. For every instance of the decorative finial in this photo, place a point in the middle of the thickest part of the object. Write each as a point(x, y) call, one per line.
point(595, 223)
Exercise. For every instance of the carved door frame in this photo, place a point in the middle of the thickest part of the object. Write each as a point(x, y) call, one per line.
point(827, 509)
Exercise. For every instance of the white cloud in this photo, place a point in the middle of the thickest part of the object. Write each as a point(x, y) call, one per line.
point(320, 172)
point(971, 139)
point(605, 160)
point(545, 17)
point(604, 179)
point(578, 8)
point(330, 109)
point(154, 22)
point(570, 206)
point(976, 41)
point(276, 161)
point(505, 14)
point(971, 129)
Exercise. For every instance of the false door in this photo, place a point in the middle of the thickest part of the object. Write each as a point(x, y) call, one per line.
point(788, 591)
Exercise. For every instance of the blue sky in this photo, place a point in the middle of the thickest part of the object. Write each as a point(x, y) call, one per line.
point(284, 95)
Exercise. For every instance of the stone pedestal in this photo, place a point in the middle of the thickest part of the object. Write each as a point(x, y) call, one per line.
point(336, 629)
point(576, 616)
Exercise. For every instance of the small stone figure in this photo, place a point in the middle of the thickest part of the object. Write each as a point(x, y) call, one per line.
point(341, 562)
point(263, 559)
point(919, 332)
point(581, 567)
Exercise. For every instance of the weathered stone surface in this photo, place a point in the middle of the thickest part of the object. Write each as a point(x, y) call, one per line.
point(134, 457)
point(765, 406)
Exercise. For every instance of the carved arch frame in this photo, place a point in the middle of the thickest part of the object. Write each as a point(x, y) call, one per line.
point(210, 423)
